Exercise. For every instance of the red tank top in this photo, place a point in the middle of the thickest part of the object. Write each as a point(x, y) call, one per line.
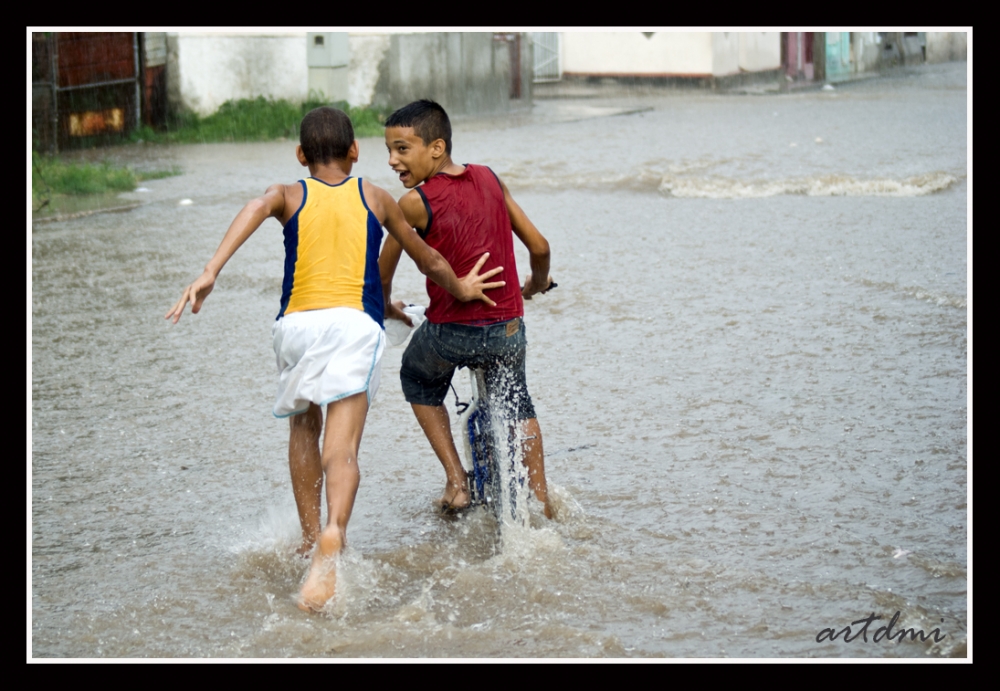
point(467, 216)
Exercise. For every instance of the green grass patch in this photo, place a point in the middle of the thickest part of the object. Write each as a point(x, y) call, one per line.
point(51, 176)
point(156, 174)
point(256, 120)
point(245, 120)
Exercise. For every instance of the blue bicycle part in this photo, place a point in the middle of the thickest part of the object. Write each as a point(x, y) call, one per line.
point(490, 468)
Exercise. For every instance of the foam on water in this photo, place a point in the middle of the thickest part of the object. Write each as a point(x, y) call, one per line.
point(932, 296)
point(565, 507)
point(278, 530)
point(676, 181)
point(357, 584)
point(811, 186)
point(523, 544)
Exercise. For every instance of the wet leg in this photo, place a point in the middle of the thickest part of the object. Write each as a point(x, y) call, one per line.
point(345, 421)
point(534, 461)
point(436, 425)
point(306, 467)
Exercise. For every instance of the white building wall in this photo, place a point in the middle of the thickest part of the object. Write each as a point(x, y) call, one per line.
point(669, 53)
point(214, 67)
point(725, 53)
point(759, 50)
point(665, 53)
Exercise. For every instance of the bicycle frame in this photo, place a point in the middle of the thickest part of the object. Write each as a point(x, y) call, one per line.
point(497, 477)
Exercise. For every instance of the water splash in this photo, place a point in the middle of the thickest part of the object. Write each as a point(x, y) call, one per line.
point(677, 181)
point(810, 186)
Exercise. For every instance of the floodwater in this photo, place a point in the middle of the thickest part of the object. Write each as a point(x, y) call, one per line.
point(752, 383)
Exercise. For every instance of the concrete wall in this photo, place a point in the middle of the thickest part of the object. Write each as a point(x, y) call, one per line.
point(369, 52)
point(866, 51)
point(759, 51)
point(466, 72)
point(945, 46)
point(664, 53)
point(206, 69)
point(725, 53)
point(670, 54)
point(328, 60)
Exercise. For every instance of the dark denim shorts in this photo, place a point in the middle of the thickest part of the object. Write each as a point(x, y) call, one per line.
point(436, 350)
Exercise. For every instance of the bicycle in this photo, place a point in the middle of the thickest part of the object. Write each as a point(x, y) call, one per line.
point(497, 478)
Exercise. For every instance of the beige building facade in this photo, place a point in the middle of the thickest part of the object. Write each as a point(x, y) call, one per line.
point(669, 53)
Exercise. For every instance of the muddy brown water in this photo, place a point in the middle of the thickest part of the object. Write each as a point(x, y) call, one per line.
point(752, 384)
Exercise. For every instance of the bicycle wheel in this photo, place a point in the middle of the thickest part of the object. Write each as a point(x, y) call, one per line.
point(493, 455)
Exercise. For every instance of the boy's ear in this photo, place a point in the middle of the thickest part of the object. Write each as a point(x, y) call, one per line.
point(438, 148)
point(354, 152)
point(299, 154)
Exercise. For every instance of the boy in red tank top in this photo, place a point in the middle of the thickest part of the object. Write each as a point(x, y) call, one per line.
point(463, 211)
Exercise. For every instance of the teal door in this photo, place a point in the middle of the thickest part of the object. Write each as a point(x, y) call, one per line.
point(838, 55)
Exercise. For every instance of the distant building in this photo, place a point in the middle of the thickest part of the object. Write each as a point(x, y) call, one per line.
point(467, 72)
point(207, 68)
point(91, 86)
point(714, 59)
point(706, 56)
point(841, 55)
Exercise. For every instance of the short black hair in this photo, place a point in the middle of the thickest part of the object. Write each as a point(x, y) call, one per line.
point(428, 120)
point(326, 134)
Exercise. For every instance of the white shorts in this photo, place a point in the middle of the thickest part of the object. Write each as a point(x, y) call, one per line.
point(324, 356)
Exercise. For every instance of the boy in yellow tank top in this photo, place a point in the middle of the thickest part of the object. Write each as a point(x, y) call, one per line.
point(328, 337)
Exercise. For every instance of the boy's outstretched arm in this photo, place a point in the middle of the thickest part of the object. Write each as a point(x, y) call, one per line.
point(428, 260)
point(388, 260)
point(272, 203)
point(538, 247)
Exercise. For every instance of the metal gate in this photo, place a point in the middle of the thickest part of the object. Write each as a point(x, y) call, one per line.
point(838, 55)
point(547, 67)
point(85, 87)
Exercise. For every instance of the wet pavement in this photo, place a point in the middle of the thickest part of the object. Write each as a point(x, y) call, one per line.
point(752, 384)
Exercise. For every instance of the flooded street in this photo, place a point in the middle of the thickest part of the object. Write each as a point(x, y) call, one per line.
point(751, 381)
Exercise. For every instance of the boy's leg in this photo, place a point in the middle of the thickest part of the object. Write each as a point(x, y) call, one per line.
point(345, 422)
point(306, 467)
point(534, 461)
point(425, 377)
point(508, 384)
point(436, 425)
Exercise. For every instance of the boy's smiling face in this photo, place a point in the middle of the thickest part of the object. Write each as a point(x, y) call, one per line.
point(413, 160)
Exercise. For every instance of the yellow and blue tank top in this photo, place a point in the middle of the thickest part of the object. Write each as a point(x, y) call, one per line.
point(331, 251)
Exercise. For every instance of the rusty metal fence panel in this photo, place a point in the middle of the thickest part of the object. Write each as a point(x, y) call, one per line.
point(85, 87)
point(43, 85)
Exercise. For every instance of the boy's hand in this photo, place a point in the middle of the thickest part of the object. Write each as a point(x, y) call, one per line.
point(473, 284)
point(530, 288)
point(195, 294)
point(394, 310)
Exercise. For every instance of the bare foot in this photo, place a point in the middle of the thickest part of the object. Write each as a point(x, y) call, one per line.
point(456, 498)
point(304, 549)
point(321, 583)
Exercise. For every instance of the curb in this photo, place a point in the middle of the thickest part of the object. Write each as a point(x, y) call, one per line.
point(80, 214)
